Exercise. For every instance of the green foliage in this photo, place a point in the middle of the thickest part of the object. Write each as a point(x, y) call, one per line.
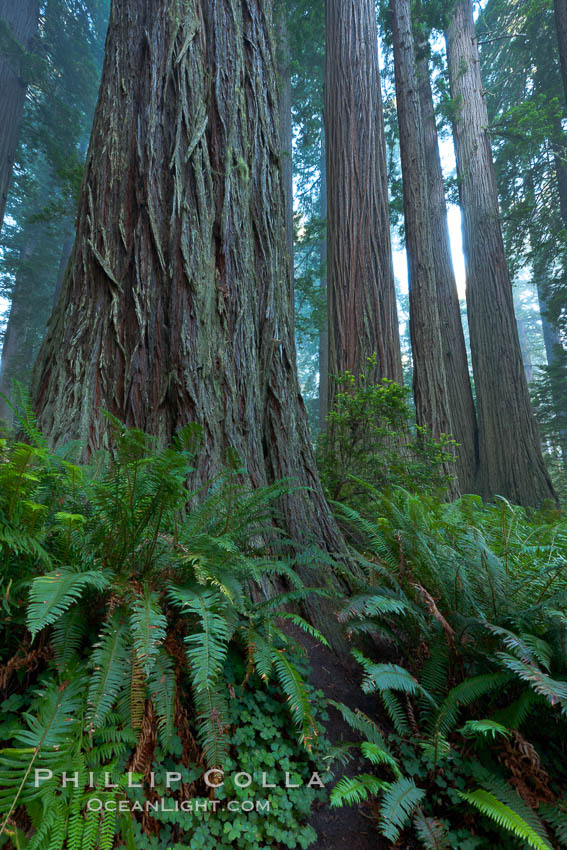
point(370, 438)
point(505, 817)
point(130, 593)
point(479, 595)
point(260, 744)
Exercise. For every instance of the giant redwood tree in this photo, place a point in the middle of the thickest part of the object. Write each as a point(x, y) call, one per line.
point(18, 24)
point(461, 404)
point(429, 380)
point(175, 306)
point(361, 294)
point(511, 462)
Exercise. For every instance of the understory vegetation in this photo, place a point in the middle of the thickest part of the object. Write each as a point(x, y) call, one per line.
point(132, 646)
point(147, 635)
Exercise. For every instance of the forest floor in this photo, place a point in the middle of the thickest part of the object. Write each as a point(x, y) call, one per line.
point(352, 827)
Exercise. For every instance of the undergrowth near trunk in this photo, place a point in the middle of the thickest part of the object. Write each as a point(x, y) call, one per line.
point(141, 639)
point(472, 600)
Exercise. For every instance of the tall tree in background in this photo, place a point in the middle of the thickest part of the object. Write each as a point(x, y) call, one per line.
point(361, 294)
point(18, 25)
point(42, 202)
point(461, 404)
point(324, 331)
point(511, 462)
point(182, 312)
point(525, 111)
point(560, 9)
point(429, 380)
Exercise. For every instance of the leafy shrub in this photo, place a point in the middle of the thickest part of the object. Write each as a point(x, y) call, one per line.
point(370, 438)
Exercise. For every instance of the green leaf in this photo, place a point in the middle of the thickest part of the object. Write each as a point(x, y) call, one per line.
point(148, 625)
point(399, 802)
point(111, 664)
point(505, 817)
point(53, 594)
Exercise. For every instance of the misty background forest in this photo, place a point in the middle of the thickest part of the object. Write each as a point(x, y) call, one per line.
point(283, 424)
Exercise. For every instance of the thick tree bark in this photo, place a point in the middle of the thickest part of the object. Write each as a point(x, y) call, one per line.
point(362, 300)
point(18, 22)
point(511, 462)
point(560, 9)
point(324, 330)
point(429, 381)
point(286, 132)
point(176, 302)
point(461, 404)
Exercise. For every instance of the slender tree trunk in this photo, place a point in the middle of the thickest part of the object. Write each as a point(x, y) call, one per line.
point(324, 330)
point(526, 353)
point(429, 380)
point(560, 9)
point(461, 404)
point(511, 462)
point(9, 350)
point(286, 132)
point(66, 250)
point(362, 300)
point(554, 353)
point(18, 25)
point(18, 322)
point(175, 306)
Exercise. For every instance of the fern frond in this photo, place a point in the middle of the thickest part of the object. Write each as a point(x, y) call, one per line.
point(556, 815)
point(395, 712)
point(377, 755)
point(390, 677)
point(505, 817)
point(297, 696)
point(111, 667)
point(307, 627)
point(162, 690)
point(553, 690)
point(46, 742)
point(206, 647)
point(148, 625)
point(431, 832)
point(399, 802)
point(484, 728)
point(352, 791)
point(68, 633)
point(361, 723)
point(464, 694)
point(53, 594)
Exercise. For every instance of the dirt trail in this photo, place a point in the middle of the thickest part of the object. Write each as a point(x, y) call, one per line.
point(350, 826)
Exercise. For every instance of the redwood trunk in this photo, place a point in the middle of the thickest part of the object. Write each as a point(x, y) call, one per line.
point(553, 351)
point(18, 325)
point(286, 134)
point(324, 330)
point(461, 404)
point(19, 18)
point(175, 306)
point(362, 300)
point(560, 9)
point(511, 462)
point(429, 382)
